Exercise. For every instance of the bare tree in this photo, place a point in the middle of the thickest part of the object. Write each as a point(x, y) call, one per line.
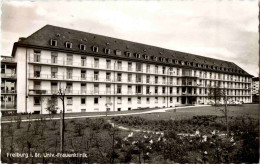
point(62, 96)
point(217, 93)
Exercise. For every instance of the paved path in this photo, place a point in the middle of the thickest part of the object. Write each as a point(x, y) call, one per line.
point(109, 115)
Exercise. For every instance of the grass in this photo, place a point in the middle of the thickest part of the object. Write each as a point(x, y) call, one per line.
point(94, 132)
point(251, 110)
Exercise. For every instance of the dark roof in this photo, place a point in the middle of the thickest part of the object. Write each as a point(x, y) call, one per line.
point(255, 78)
point(43, 36)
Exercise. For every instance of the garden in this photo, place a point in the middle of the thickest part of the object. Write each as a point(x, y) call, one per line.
point(136, 139)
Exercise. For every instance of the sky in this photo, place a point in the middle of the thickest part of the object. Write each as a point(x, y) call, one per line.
point(221, 29)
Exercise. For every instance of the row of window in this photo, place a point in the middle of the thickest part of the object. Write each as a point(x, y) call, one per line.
point(37, 100)
point(154, 58)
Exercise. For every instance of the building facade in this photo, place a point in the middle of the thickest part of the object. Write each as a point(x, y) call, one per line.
point(255, 90)
point(99, 73)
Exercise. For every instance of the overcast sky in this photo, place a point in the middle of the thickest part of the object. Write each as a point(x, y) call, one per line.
point(226, 30)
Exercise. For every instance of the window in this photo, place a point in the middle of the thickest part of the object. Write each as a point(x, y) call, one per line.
point(37, 71)
point(37, 56)
point(138, 78)
point(127, 54)
point(69, 59)
point(83, 100)
point(118, 109)
point(129, 89)
point(54, 87)
point(147, 78)
point(69, 88)
point(108, 89)
point(69, 73)
point(83, 88)
point(178, 90)
point(147, 90)
point(96, 73)
point(119, 77)
point(108, 100)
point(96, 62)
point(108, 75)
point(163, 70)
point(54, 72)
point(83, 110)
point(119, 89)
point(163, 90)
point(138, 100)
point(129, 108)
point(68, 44)
point(37, 101)
point(108, 64)
point(82, 47)
point(37, 85)
point(155, 58)
point(95, 49)
point(107, 51)
point(53, 42)
point(156, 100)
point(147, 68)
point(118, 52)
point(139, 89)
point(129, 66)
point(156, 69)
point(96, 88)
point(156, 79)
point(138, 66)
point(69, 100)
point(119, 65)
point(129, 100)
point(156, 90)
point(54, 57)
point(137, 55)
point(83, 61)
point(119, 100)
point(164, 99)
point(171, 90)
point(161, 59)
point(146, 57)
point(96, 100)
point(148, 100)
point(177, 99)
point(83, 74)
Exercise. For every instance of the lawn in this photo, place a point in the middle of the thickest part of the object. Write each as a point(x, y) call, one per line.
point(104, 144)
point(251, 110)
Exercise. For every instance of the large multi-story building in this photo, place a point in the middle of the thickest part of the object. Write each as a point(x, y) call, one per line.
point(255, 90)
point(100, 73)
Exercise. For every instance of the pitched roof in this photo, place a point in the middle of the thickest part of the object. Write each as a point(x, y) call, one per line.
point(43, 36)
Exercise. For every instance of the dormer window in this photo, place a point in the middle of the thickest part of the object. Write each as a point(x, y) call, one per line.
point(128, 54)
point(68, 45)
point(146, 57)
point(107, 51)
point(188, 63)
point(176, 61)
point(161, 59)
point(53, 42)
point(154, 58)
point(182, 63)
point(95, 49)
point(169, 60)
point(118, 52)
point(82, 47)
point(137, 55)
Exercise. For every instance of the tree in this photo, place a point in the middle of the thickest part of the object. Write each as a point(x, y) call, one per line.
point(62, 94)
point(217, 93)
point(52, 104)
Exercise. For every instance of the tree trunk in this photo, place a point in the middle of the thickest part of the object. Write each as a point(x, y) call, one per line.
point(226, 116)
